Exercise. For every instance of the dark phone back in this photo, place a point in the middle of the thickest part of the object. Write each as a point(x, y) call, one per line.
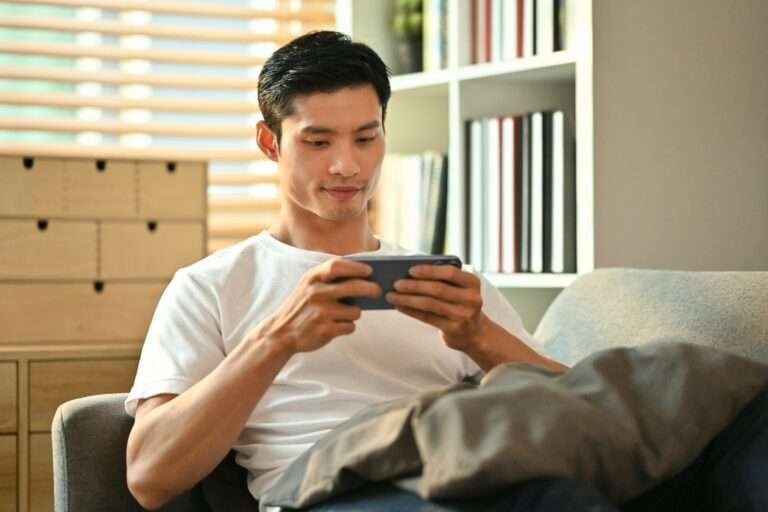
point(388, 269)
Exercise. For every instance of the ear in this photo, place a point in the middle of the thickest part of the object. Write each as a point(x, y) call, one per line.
point(267, 141)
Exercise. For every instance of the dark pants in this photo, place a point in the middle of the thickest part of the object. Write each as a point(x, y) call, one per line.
point(730, 475)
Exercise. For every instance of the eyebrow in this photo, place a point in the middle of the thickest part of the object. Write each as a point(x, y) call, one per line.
point(323, 129)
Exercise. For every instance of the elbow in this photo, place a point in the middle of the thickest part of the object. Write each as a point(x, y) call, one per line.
point(146, 490)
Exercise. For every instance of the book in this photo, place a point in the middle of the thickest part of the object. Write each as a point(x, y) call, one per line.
point(563, 196)
point(476, 190)
point(529, 35)
point(525, 194)
point(545, 26)
point(537, 193)
point(547, 203)
point(492, 196)
point(441, 209)
point(508, 196)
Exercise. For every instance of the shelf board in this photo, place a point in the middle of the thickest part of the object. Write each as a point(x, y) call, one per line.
point(525, 280)
point(557, 66)
point(427, 83)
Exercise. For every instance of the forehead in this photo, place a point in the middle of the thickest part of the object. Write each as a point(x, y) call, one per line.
point(356, 105)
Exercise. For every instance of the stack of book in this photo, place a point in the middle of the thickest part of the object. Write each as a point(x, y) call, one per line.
point(521, 193)
point(410, 201)
point(503, 30)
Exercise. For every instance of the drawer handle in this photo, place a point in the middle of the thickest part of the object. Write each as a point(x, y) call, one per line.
point(28, 162)
point(98, 286)
point(42, 224)
point(101, 165)
point(170, 167)
point(152, 226)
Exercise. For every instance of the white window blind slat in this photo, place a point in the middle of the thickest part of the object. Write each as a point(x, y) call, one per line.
point(164, 79)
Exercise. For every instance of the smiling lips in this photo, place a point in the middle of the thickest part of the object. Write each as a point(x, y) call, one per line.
point(342, 193)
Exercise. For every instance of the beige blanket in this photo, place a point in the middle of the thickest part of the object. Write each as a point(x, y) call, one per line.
point(622, 419)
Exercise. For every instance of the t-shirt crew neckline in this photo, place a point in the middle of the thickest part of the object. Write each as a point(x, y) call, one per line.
point(269, 240)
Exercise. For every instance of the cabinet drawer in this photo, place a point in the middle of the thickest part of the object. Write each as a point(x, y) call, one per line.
point(149, 249)
point(55, 312)
point(8, 398)
point(8, 476)
point(48, 249)
point(101, 188)
point(40, 473)
point(174, 190)
point(31, 186)
point(51, 383)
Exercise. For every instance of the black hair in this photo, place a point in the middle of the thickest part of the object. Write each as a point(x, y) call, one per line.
point(319, 61)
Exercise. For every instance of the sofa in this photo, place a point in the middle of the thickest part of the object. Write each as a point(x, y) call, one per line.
point(603, 309)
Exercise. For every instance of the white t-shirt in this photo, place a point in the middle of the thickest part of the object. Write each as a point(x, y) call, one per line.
point(211, 306)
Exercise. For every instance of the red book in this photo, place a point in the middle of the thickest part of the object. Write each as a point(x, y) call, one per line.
point(520, 25)
point(487, 27)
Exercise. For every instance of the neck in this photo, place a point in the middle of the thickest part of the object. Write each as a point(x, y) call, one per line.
point(313, 233)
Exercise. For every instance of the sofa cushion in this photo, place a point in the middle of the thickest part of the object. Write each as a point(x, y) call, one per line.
point(628, 307)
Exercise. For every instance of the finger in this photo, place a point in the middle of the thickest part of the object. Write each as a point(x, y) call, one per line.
point(353, 288)
point(340, 268)
point(447, 273)
point(440, 289)
point(343, 313)
point(424, 316)
point(340, 328)
point(424, 303)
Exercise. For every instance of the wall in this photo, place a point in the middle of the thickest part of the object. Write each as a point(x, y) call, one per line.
point(681, 134)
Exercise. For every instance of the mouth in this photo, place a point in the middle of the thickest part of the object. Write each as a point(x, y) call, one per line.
point(342, 193)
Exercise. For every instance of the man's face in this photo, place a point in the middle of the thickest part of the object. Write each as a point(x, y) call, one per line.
point(331, 151)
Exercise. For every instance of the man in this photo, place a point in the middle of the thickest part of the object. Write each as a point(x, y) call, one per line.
point(251, 349)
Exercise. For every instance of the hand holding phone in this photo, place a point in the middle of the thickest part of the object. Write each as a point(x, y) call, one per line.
point(388, 269)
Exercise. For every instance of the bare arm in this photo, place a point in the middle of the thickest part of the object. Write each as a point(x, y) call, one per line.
point(178, 440)
point(450, 299)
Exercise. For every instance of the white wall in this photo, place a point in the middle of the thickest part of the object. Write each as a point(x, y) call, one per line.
point(681, 134)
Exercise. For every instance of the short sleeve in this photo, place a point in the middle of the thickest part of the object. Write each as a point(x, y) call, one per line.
point(183, 343)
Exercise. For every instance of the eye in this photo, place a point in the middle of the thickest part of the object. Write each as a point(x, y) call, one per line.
point(317, 143)
point(365, 140)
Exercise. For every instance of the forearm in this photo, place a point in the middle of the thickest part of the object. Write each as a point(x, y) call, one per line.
point(179, 442)
point(494, 345)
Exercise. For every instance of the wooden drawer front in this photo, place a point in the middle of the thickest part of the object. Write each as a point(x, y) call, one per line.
point(149, 249)
point(179, 193)
point(48, 249)
point(8, 476)
point(76, 312)
point(40, 473)
point(8, 398)
point(35, 191)
point(51, 383)
point(101, 188)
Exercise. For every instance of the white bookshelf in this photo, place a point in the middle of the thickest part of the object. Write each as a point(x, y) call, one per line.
point(428, 110)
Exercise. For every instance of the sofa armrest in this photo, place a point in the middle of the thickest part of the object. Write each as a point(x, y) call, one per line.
point(628, 307)
point(89, 438)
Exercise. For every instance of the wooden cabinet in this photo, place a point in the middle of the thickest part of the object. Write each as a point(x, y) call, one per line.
point(40, 473)
point(8, 398)
point(31, 186)
point(101, 188)
point(48, 249)
point(8, 476)
point(77, 312)
point(82, 378)
point(148, 249)
point(87, 246)
point(168, 189)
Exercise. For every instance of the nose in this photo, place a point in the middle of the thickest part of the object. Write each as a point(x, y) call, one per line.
point(344, 163)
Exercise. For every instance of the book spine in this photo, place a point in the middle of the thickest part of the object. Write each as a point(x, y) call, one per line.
point(537, 192)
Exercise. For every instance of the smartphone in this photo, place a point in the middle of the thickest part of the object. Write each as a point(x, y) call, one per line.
point(388, 269)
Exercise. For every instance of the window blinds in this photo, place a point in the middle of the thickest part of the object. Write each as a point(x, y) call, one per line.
point(167, 79)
